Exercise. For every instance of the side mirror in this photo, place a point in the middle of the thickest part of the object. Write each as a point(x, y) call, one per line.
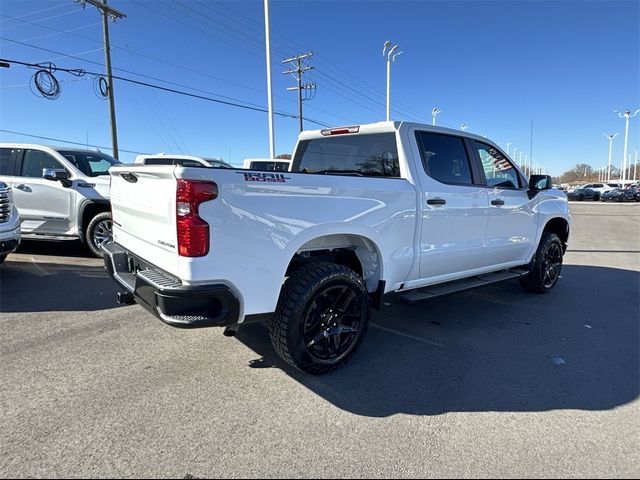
point(57, 175)
point(538, 183)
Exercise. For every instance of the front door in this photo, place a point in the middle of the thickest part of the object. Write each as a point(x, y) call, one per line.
point(45, 206)
point(512, 223)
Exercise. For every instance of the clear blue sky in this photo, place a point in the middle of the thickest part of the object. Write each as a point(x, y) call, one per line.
point(496, 66)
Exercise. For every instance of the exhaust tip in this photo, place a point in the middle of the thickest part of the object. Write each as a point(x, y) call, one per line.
point(231, 331)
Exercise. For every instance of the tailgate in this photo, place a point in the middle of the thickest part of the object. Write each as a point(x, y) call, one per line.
point(143, 203)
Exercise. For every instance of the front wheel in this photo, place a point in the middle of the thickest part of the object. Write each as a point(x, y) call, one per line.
point(3, 257)
point(321, 318)
point(98, 232)
point(546, 265)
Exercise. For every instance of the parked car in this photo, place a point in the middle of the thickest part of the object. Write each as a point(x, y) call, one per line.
point(364, 211)
point(9, 223)
point(630, 194)
point(584, 194)
point(266, 165)
point(61, 193)
point(184, 160)
point(601, 187)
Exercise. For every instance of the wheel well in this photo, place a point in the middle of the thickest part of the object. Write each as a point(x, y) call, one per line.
point(352, 251)
point(560, 227)
point(88, 212)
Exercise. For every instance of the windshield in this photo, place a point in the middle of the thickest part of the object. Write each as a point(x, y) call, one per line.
point(90, 163)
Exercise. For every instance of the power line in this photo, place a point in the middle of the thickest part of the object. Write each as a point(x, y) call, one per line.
point(166, 89)
point(330, 66)
point(255, 43)
point(43, 19)
point(191, 27)
point(63, 141)
point(156, 59)
point(42, 10)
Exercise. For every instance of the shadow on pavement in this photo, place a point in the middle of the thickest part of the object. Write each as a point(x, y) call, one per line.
point(64, 248)
point(493, 349)
point(51, 287)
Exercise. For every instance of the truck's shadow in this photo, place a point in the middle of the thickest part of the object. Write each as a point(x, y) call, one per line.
point(493, 349)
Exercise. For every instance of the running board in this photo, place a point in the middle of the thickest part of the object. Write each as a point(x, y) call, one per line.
point(448, 288)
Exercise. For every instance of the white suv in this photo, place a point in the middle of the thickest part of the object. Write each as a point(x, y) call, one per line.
point(183, 160)
point(9, 223)
point(60, 192)
point(601, 187)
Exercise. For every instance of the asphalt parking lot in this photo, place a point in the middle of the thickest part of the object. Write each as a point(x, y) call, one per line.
point(492, 382)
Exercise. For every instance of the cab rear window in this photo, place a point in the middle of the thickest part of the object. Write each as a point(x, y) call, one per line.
point(374, 155)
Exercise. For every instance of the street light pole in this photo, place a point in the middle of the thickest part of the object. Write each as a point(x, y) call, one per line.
point(610, 136)
point(626, 115)
point(434, 113)
point(391, 55)
point(267, 36)
point(635, 165)
point(508, 145)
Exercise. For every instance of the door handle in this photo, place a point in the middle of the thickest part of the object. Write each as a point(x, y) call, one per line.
point(436, 201)
point(497, 202)
point(24, 188)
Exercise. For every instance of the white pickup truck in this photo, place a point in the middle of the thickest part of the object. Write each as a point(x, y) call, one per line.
point(364, 211)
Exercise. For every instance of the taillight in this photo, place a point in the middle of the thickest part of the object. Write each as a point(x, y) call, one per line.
point(193, 231)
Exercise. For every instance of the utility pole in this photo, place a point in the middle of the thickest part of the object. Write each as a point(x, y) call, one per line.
point(113, 14)
point(298, 69)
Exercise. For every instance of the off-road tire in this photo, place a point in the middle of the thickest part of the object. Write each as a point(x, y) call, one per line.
point(304, 296)
point(95, 230)
point(546, 265)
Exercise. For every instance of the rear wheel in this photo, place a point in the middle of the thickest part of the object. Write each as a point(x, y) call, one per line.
point(98, 232)
point(546, 265)
point(321, 319)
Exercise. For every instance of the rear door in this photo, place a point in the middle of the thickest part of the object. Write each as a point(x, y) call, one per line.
point(454, 207)
point(512, 222)
point(45, 206)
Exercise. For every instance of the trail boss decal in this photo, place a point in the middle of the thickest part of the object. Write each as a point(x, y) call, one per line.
point(264, 177)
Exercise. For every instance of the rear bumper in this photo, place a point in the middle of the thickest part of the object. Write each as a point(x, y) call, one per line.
point(183, 306)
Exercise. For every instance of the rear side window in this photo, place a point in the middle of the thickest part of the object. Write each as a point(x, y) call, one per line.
point(374, 155)
point(497, 169)
point(35, 161)
point(6, 162)
point(445, 158)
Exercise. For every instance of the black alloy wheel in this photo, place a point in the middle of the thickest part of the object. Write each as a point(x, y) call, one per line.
point(545, 266)
point(332, 322)
point(552, 264)
point(321, 318)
